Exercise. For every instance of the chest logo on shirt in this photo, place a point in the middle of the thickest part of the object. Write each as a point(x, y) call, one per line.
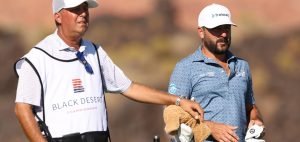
point(77, 85)
point(241, 74)
point(208, 74)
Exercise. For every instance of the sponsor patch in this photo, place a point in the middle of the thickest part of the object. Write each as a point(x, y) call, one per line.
point(172, 88)
point(241, 74)
point(77, 85)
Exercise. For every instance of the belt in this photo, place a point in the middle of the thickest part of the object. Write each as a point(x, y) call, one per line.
point(98, 136)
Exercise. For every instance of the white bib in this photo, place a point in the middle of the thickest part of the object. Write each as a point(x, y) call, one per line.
point(73, 98)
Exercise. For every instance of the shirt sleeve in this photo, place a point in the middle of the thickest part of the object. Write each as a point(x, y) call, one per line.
point(180, 81)
point(114, 78)
point(28, 88)
point(249, 95)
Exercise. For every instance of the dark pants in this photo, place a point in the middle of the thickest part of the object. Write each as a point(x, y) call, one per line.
point(84, 137)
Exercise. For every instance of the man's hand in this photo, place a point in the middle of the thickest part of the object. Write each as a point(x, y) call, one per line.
point(222, 132)
point(192, 108)
point(255, 116)
point(30, 126)
point(257, 122)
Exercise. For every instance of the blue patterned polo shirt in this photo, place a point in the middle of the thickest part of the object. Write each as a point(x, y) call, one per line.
point(223, 97)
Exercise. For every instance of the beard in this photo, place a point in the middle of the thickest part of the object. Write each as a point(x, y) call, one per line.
point(219, 46)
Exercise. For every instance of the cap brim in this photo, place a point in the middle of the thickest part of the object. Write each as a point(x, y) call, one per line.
point(91, 3)
point(219, 24)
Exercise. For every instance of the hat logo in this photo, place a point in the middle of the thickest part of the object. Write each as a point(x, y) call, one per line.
point(219, 14)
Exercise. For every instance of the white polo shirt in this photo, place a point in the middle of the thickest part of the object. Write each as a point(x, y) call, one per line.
point(73, 98)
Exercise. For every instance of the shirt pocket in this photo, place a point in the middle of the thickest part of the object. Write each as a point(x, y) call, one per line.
point(208, 83)
point(240, 83)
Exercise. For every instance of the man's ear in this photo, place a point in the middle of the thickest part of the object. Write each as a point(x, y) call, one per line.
point(201, 32)
point(57, 17)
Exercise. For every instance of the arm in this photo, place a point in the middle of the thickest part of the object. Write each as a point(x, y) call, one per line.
point(222, 132)
point(26, 119)
point(146, 94)
point(254, 115)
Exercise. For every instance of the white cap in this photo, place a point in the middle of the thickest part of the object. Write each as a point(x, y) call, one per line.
point(58, 5)
point(214, 15)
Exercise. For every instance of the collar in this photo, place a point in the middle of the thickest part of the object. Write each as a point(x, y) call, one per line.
point(198, 56)
point(62, 46)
